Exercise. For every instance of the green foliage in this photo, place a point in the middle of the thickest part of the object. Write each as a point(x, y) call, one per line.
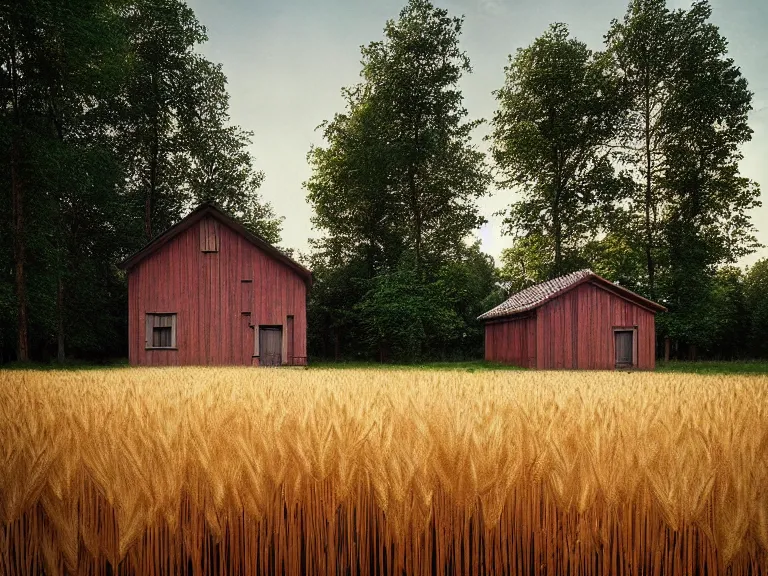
point(686, 121)
point(394, 193)
point(558, 109)
point(113, 126)
point(399, 173)
point(756, 302)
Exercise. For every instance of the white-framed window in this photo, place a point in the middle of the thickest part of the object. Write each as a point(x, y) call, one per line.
point(160, 331)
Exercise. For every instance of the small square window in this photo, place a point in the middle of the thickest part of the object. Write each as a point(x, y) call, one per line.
point(160, 331)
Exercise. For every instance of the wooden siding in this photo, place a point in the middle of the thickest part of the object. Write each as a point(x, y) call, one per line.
point(218, 314)
point(209, 237)
point(512, 341)
point(575, 331)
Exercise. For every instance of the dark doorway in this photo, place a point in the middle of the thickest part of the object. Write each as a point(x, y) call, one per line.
point(270, 345)
point(624, 348)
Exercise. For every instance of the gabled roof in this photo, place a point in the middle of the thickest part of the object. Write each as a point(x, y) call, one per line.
point(538, 294)
point(210, 209)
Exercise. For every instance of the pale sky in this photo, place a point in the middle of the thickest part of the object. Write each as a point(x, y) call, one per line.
point(287, 60)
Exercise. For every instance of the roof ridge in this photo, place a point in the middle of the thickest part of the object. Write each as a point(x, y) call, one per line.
point(535, 295)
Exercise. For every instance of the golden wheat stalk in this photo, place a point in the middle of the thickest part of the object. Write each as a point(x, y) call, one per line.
point(236, 471)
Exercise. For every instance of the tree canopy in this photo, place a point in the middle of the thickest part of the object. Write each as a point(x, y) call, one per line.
point(113, 126)
point(394, 190)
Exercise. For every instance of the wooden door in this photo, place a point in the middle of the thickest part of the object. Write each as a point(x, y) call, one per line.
point(270, 345)
point(623, 347)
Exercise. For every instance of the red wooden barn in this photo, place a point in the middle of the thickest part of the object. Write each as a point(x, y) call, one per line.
point(208, 291)
point(579, 320)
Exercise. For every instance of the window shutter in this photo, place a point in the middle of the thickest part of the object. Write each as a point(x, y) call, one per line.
point(149, 318)
point(173, 331)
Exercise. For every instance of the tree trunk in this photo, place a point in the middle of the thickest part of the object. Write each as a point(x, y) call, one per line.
point(17, 211)
point(415, 200)
point(556, 223)
point(59, 283)
point(60, 320)
point(648, 192)
point(19, 253)
point(152, 186)
point(416, 219)
point(558, 234)
point(667, 346)
point(336, 345)
point(154, 151)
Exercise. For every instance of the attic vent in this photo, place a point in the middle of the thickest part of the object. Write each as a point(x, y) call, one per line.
point(209, 235)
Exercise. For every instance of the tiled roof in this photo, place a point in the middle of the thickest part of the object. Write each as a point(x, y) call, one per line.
point(533, 296)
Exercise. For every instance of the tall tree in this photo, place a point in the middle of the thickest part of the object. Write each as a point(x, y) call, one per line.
point(707, 200)
point(644, 47)
point(175, 133)
point(394, 190)
point(687, 119)
point(400, 171)
point(60, 63)
point(558, 110)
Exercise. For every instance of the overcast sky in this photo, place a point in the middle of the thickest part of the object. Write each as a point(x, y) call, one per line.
point(287, 60)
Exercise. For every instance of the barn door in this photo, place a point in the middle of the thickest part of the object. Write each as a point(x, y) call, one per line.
point(624, 346)
point(270, 345)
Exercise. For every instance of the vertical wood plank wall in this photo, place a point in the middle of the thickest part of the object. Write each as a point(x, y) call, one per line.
point(206, 291)
point(575, 331)
point(512, 342)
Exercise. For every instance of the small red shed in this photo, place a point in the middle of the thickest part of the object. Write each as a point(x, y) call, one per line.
point(576, 321)
point(208, 291)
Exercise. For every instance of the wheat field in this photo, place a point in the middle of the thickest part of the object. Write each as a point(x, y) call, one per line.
point(249, 471)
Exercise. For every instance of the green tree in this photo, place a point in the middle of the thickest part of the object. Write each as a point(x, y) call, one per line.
point(60, 64)
point(756, 299)
point(681, 144)
point(175, 138)
point(400, 172)
point(528, 261)
point(645, 47)
point(733, 319)
point(394, 192)
point(559, 109)
point(707, 201)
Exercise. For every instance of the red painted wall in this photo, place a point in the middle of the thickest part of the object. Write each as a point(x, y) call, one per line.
point(512, 341)
point(206, 292)
point(575, 330)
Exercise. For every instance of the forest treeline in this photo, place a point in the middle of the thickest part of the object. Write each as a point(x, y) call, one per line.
point(623, 159)
point(112, 127)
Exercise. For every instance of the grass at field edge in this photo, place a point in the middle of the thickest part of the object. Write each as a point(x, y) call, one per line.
point(702, 367)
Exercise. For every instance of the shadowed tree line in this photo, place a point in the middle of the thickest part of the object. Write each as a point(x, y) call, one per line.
point(623, 159)
point(112, 126)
